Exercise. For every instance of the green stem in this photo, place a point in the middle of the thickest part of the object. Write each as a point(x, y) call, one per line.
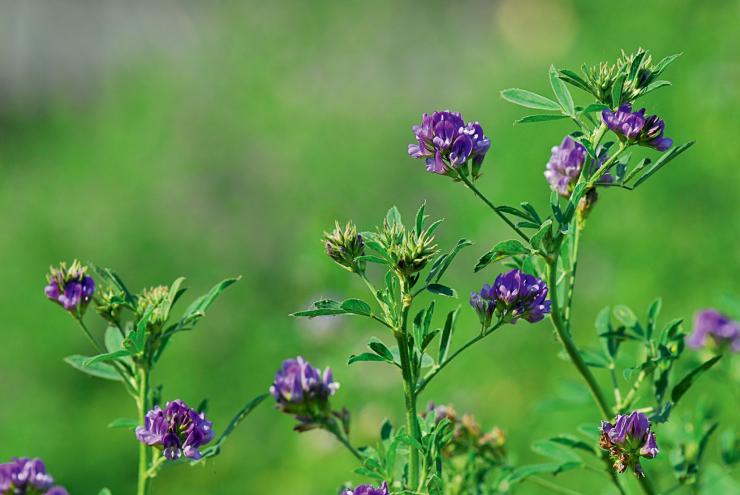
point(563, 332)
point(409, 385)
point(435, 371)
point(94, 342)
point(143, 480)
point(492, 206)
point(337, 431)
point(572, 271)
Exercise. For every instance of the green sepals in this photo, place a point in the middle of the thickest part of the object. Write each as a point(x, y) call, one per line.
point(346, 247)
point(407, 251)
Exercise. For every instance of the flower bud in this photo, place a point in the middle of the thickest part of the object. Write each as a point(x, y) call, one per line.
point(153, 299)
point(410, 252)
point(345, 246)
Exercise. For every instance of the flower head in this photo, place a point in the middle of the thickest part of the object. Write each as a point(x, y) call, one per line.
point(302, 390)
point(368, 490)
point(27, 476)
point(72, 288)
point(344, 246)
point(446, 142)
point(566, 162)
point(636, 128)
point(514, 295)
point(719, 328)
point(467, 435)
point(154, 301)
point(627, 439)
point(177, 430)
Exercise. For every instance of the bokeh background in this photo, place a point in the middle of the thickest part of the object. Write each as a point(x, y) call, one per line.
point(210, 139)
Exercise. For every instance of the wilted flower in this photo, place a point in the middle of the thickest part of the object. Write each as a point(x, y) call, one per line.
point(721, 329)
point(566, 161)
point(467, 434)
point(445, 141)
point(368, 490)
point(72, 287)
point(636, 128)
point(177, 429)
point(27, 476)
point(628, 439)
point(514, 295)
point(344, 246)
point(302, 390)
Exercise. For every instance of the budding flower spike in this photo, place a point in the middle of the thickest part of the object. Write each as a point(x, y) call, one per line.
point(177, 430)
point(345, 246)
point(627, 439)
point(72, 288)
point(303, 391)
point(636, 128)
point(27, 476)
point(446, 142)
point(368, 490)
point(514, 295)
point(716, 330)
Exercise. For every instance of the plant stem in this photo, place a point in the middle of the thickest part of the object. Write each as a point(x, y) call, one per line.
point(143, 480)
point(337, 431)
point(563, 331)
point(435, 371)
point(492, 206)
point(94, 342)
point(409, 385)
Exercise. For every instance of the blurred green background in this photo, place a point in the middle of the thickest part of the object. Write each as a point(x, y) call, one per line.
point(216, 139)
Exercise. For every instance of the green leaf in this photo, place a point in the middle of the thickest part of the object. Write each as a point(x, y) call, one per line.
point(653, 86)
point(594, 359)
point(365, 356)
point(113, 339)
point(555, 451)
point(532, 212)
point(446, 339)
point(100, 370)
point(528, 99)
point(312, 313)
point(524, 472)
point(617, 90)
point(172, 296)
point(127, 423)
point(683, 386)
point(663, 160)
point(573, 78)
point(442, 290)
point(594, 107)
point(653, 312)
point(439, 269)
point(110, 356)
point(357, 307)
point(501, 250)
point(420, 219)
point(538, 239)
point(105, 491)
point(529, 119)
point(574, 443)
point(380, 349)
point(198, 308)
point(393, 217)
point(663, 64)
point(625, 315)
point(561, 92)
point(372, 259)
point(635, 66)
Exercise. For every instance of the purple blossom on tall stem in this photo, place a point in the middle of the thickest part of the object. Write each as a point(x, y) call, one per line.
point(302, 390)
point(368, 490)
point(636, 128)
point(72, 288)
point(565, 164)
point(514, 295)
point(177, 430)
point(27, 476)
point(711, 326)
point(445, 141)
point(627, 439)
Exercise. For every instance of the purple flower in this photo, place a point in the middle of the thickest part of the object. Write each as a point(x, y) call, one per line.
point(445, 141)
point(566, 161)
point(514, 295)
point(177, 429)
point(628, 439)
point(722, 330)
point(26, 476)
point(70, 288)
point(302, 390)
point(368, 490)
point(636, 128)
